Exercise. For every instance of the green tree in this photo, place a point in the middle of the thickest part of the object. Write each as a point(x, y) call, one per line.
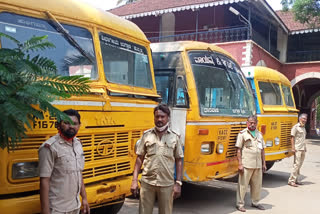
point(305, 11)
point(28, 85)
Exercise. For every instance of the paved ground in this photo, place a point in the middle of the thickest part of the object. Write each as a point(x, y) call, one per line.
point(277, 196)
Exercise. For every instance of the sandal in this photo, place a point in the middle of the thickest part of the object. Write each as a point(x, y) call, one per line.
point(293, 184)
point(258, 206)
point(241, 209)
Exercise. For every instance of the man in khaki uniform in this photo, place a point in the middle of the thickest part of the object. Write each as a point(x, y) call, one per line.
point(298, 136)
point(61, 161)
point(252, 163)
point(159, 150)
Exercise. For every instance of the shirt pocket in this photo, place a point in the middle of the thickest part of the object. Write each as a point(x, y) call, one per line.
point(260, 144)
point(66, 163)
point(80, 161)
point(247, 142)
point(151, 148)
point(299, 133)
point(168, 149)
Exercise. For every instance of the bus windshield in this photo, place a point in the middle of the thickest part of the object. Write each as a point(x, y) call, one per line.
point(221, 87)
point(270, 93)
point(287, 95)
point(68, 59)
point(125, 62)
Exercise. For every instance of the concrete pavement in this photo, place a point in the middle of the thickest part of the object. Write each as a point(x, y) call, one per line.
point(219, 197)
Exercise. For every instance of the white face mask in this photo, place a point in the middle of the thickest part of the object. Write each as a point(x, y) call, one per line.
point(161, 129)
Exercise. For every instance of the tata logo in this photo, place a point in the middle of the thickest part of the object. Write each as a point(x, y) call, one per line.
point(105, 147)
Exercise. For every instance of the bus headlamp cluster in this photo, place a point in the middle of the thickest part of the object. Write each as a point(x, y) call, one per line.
point(25, 170)
point(277, 141)
point(206, 148)
point(269, 143)
point(220, 148)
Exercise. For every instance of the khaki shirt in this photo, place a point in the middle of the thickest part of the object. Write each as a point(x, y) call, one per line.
point(250, 148)
point(63, 163)
point(299, 133)
point(160, 155)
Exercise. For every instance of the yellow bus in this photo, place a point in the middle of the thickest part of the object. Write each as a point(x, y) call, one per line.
point(116, 55)
point(210, 101)
point(276, 110)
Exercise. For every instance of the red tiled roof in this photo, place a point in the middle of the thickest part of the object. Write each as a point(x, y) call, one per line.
point(288, 19)
point(142, 6)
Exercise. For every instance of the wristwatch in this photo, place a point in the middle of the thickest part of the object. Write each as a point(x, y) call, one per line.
point(179, 182)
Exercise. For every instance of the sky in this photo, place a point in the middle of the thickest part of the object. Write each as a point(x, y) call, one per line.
point(109, 4)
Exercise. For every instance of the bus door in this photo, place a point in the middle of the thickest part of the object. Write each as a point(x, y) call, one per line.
point(173, 90)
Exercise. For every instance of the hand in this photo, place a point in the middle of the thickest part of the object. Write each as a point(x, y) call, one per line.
point(293, 150)
point(134, 188)
point(86, 208)
point(240, 168)
point(176, 191)
point(264, 168)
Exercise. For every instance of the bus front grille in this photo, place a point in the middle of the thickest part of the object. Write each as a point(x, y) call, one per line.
point(106, 155)
point(285, 138)
point(232, 150)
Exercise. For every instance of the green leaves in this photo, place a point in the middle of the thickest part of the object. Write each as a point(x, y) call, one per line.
point(305, 11)
point(28, 85)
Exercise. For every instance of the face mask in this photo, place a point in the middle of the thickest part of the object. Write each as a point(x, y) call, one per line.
point(251, 129)
point(161, 129)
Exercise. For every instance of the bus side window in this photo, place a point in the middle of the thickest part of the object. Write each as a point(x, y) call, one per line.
point(181, 92)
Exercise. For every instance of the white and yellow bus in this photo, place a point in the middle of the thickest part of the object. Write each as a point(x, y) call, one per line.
point(116, 55)
point(210, 101)
point(276, 110)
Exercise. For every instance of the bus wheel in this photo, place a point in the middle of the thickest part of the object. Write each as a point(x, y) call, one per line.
point(110, 209)
point(269, 165)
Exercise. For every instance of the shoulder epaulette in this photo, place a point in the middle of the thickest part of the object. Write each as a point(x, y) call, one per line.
point(243, 131)
point(174, 132)
point(146, 131)
point(48, 143)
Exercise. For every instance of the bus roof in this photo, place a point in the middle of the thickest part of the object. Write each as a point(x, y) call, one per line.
point(179, 46)
point(75, 10)
point(264, 73)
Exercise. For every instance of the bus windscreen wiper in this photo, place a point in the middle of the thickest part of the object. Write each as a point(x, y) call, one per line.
point(56, 24)
point(225, 67)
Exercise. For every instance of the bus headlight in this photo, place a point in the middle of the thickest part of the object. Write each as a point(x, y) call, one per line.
point(220, 148)
point(269, 143)
point(206, 148)
point(276, 141)
point(25, 170)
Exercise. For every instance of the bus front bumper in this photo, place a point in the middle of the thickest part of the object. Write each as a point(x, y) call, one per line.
point(98, 194)
point(212, 170)
point(277, 155)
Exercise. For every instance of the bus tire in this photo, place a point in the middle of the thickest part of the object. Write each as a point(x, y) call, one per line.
point(269, 165)
point(109, 209)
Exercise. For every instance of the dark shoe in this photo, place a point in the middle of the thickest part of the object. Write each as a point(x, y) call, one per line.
point(241, 209)
point(293, 184)
point(258, 206)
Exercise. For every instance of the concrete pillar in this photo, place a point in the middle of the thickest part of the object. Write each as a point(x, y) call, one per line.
point(282, 44)
point(167, 27)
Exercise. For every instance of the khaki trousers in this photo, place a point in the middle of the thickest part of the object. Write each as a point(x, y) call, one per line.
point(148, 194)
point(254, 178)
point(297, 163)
point(77, 211)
